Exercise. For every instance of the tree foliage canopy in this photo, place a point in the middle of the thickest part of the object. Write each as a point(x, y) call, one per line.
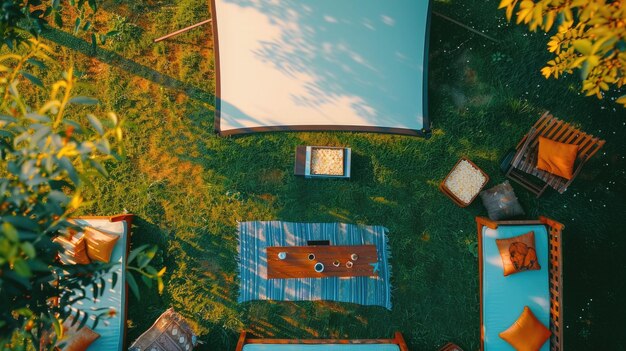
point(49, 151)
point(23, 19)
point(590, 37)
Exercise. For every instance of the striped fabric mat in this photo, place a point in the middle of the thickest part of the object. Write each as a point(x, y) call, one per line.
point(254, 237)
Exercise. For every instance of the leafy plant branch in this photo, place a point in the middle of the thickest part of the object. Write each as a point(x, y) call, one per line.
point(48, 154)
point(590, 38)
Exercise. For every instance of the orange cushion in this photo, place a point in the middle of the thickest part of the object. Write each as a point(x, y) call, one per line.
point(518, 253)
point(75, 339)
point(74, 248)
point(557, 158)
point(100, 245)
point(527, 333)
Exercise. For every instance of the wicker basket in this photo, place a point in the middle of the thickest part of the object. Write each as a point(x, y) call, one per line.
point(455, 199)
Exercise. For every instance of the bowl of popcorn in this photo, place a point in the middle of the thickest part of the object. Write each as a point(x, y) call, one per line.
point(464, 182)
point(327, 161)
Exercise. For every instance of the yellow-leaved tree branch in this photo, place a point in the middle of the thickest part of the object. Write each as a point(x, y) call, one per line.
point(590, 37)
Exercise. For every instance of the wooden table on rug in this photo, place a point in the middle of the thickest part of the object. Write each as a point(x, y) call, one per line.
point(298, 265)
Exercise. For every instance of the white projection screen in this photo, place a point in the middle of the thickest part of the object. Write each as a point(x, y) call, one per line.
point(321, 65)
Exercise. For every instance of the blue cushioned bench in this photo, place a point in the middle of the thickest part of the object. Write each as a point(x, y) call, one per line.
point(112, 330)
point(252, 344)
point(502, 299)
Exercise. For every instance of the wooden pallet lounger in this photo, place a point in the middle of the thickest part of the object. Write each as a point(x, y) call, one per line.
point(497, 316)
point(522, 168)
point(251, 344)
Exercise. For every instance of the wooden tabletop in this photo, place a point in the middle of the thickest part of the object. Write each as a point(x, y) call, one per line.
point(298, 265)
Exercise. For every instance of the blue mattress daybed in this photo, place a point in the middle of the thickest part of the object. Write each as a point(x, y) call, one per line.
point(502, 298)
point(252, 344)
point(112, 330)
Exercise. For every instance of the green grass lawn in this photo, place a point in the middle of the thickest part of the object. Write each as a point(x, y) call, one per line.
point(189, 187)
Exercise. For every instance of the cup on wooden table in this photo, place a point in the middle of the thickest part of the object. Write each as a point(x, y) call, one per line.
point(319, 267)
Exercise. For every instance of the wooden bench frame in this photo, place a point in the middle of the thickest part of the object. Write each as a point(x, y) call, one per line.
point(555, 271)
point(398, 339)
point(522, 168)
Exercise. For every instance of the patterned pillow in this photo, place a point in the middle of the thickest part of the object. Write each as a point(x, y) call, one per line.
point(170, 332)
point(518, 253)
point(501, 202)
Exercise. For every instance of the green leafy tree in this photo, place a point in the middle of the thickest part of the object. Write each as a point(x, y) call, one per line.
point(590, 37)
point(48, 154)
point(24, 19)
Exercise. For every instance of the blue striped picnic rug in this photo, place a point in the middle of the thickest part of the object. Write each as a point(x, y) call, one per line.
point(254, 237)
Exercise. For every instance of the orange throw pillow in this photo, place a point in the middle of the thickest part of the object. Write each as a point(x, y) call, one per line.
point(76, 339)
point(527, 333)
point(100, 245)
point(518, 253)
point(74, 248)
point(557, 158)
